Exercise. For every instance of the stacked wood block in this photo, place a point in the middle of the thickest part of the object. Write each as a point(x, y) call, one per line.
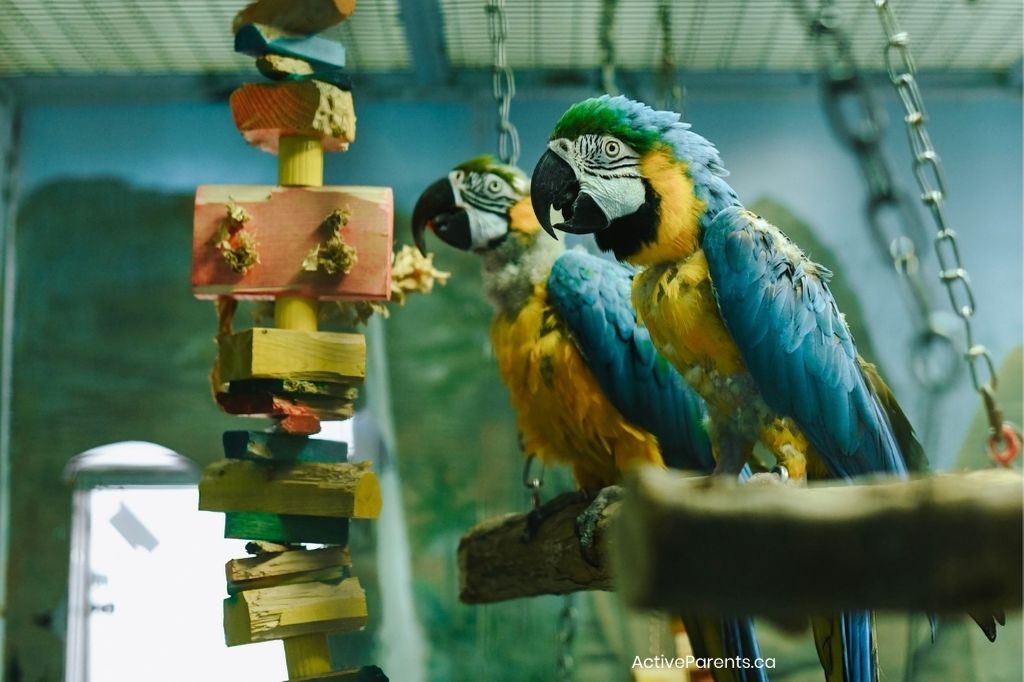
point(296, 243)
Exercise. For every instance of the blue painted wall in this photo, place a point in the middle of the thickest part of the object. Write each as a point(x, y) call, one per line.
point(779, 147)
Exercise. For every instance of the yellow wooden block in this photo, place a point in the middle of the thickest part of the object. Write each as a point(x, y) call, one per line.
point(293, 610)
point(310, 489)
point(287, 568)
point(268, 353)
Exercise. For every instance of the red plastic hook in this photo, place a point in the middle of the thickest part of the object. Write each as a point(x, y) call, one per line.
point(1003, 447)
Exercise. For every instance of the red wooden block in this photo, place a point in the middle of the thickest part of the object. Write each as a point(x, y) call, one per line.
point(263, 404)
point(299, 424)
point(297, 420)
point(263, 113)
point(285, 223)
point(292, 417)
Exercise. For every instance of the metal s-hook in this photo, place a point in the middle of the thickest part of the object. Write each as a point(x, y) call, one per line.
point(531, 482)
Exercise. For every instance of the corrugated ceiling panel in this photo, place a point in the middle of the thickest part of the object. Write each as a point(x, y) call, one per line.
point(166, 36)
point(190, 36)
point(733, 34)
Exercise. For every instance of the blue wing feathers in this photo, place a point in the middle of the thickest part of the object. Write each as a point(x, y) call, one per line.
point(592, 297)
point(739, 640)
point(779, 310)
point(858, 649)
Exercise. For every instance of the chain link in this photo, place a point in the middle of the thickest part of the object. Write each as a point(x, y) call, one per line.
point(894, 223)
point(930, 178)
point(565, 661)
point(504, 83)
point(671, 95)
point(607, 43)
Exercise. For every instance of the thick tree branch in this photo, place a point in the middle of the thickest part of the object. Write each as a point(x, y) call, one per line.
point(496, 564)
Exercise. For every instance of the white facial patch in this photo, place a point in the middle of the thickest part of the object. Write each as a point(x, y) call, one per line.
point(608, 171)
point(486, 198)
point(485, 227)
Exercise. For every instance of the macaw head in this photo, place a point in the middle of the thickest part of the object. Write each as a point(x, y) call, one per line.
point(470, 208)
point(638, 179)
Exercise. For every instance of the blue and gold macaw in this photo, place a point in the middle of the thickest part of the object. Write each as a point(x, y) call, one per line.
point(589, 389)
point(739, 310)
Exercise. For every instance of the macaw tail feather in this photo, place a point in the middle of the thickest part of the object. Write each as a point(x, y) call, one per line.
point(987, 623)
point(727, 638)
point(846, 646)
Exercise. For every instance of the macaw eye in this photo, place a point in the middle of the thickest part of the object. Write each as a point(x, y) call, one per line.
point(494, 186)
point(612, 148)
point(458, 175)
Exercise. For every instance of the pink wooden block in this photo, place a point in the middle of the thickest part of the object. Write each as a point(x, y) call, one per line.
point(285, 223)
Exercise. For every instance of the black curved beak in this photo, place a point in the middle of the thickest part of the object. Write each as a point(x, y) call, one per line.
point(436, 209)
point(555, 192)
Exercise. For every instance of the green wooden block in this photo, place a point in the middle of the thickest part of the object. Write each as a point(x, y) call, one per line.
point(258, 446)
point(285, 528)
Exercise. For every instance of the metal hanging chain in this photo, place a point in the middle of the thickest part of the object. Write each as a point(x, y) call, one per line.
point(895, 225)
point(504, 83)
point(1005, 439)
point(672, 96)
point(607, 42)
point(565, 661)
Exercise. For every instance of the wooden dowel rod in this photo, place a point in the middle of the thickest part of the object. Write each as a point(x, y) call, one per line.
point(300, 163)
point(307, 655)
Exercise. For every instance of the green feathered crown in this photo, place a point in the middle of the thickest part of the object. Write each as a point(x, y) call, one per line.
point(611, 116)
point(485, 163)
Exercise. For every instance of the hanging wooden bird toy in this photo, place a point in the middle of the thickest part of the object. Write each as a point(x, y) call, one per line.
point(296, 243)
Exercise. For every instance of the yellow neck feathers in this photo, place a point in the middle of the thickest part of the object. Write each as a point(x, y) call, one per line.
point(521, 217)
point(679, 211)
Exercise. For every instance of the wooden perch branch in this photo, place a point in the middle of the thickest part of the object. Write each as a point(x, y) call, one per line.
point(495, 564)
point(946, 543)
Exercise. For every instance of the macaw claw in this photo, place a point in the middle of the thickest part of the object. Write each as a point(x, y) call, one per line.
point(586, 522)
point(778, 474)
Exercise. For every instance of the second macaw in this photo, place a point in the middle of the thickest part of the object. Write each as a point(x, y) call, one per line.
point(589, 389)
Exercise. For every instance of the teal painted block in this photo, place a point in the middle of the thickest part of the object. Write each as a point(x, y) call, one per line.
point(258, 446)
point(285, 528)
point(257, 39)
